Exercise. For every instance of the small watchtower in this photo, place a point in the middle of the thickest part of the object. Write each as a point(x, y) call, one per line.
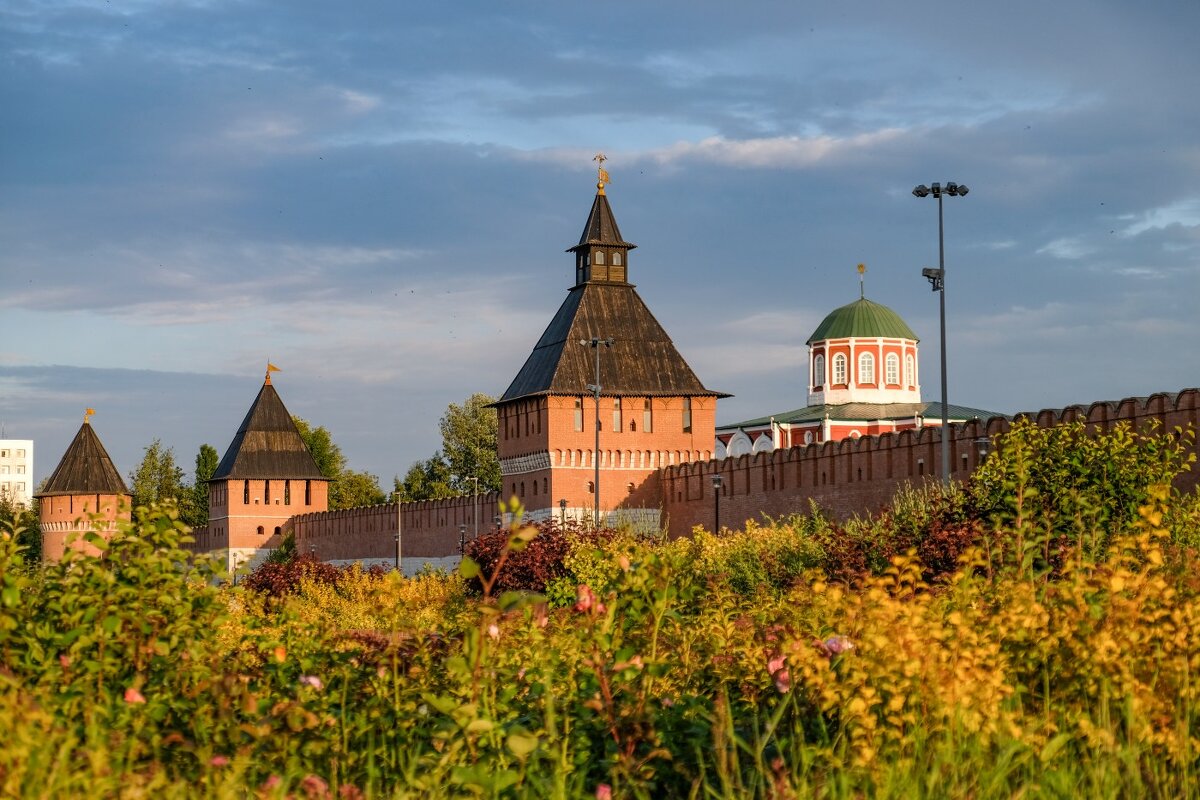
point(84, 494)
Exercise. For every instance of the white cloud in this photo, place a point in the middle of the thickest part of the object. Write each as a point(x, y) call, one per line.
point(1069, 248)
point(1183, 212)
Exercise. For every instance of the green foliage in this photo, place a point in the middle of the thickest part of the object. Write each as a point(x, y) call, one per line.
point(24, 524)
point(430, 479)
point(723, 667)
point(207, 461)
point(354, 489)
point(158, 479)
point(328, 455)
point(470, 444)
point(347, 488)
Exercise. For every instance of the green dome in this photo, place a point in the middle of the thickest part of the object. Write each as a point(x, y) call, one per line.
point(865, 319)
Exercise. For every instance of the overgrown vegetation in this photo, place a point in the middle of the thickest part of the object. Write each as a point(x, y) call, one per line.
point(1032, 634)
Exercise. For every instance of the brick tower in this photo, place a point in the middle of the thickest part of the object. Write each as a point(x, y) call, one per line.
point(653, 410)
point(266, 477)
point(84, 494)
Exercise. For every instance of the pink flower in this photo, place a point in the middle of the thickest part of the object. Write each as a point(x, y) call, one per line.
point(273, 782)
point(218, 761)
point(493, 631)
point(314, 786)
point(64, 660)
point(777, 669)
point(835, 646)
point(586, 600)
point(133, 696)
point(311, 680)
point(604, 792)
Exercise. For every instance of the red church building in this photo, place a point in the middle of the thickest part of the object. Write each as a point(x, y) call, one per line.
point(863, 367)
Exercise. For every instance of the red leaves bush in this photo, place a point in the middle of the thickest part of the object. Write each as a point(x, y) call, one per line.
point(540, 563)
point(276, 579)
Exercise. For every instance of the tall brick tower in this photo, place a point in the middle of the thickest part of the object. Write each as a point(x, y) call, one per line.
point(84, 494)
point(653, 410)
point(266, 477)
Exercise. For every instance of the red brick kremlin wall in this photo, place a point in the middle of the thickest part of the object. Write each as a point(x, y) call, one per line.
point(852, 476)
point(860, 475)
point(430, 529)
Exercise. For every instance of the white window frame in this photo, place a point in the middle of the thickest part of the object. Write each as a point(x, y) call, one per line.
point(893, 369)
point(839, 369)
point(819, 370)
point(866, 368)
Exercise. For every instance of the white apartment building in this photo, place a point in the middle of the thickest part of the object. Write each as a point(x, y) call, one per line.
point(16, 471)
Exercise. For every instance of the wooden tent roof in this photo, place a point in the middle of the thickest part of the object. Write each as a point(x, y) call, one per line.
point(642, 361)
point(267, 445)
point(85, 469)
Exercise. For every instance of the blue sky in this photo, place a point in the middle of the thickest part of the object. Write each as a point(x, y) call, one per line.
point(377, 197)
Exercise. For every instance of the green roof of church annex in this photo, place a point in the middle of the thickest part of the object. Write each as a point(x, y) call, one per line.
point(862, 318)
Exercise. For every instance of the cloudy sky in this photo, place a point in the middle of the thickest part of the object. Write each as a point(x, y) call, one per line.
point(377, 195)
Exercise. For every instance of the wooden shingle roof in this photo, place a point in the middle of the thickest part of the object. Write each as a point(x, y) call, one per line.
point(267, 445)
point(85, 469)
point(601, 227)
point(643, 360)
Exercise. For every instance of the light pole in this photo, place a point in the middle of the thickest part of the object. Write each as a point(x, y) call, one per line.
point(716, 484)
point(396, 539)
point(475, 506)
point(399, 534)
point(937, 280)
point(562, 511)
point(462, 538)
point(595, 343)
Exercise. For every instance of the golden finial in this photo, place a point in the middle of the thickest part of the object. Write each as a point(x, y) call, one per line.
point(601, 173)
point(862, 289)
point(270, 368)
point(87, 415)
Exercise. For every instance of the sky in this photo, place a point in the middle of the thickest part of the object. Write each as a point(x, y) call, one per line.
point(376, 196)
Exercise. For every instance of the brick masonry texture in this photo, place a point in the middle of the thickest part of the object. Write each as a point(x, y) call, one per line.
point(844, 478)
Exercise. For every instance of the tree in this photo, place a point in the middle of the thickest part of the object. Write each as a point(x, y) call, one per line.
point(347, 488)
point(353, 489)
point(26, 523)
point(206, 466)
point(470, 444)
point(158, 478)
point(325, 452)
point(426, 480)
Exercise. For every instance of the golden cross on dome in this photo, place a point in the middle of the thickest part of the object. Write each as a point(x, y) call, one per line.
point(601, 173)
point(862, 289)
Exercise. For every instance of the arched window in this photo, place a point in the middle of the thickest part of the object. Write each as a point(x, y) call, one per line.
point(819, 370)
point(599, 256)
point(687, 415)
point(866, 369)
point(910, 371)
point(839, 370)
point(616, 259)
point(893, 369)
point(647, 417)
point(261, 530)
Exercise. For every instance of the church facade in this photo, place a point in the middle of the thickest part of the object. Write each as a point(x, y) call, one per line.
point(863, 368)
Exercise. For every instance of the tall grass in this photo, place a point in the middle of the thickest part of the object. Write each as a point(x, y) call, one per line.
point(1054, 658)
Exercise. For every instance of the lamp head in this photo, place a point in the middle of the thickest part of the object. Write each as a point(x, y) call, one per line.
point(921, 191)
point(936, 190)
point(716, 481)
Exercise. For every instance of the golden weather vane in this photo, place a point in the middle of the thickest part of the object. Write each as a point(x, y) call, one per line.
point(87, 415)
point(601, 173)
point(862, 289)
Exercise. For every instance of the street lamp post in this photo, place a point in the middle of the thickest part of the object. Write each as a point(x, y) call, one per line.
point(716, 484)
point(475, 506)
point(937, 280)
point(462, 538)
point(396, 539)
point(499, 520)
point(562, 511)
point(595, 343)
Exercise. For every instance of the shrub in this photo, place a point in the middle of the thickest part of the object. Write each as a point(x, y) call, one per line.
point(279, 578)
point(543, 559)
